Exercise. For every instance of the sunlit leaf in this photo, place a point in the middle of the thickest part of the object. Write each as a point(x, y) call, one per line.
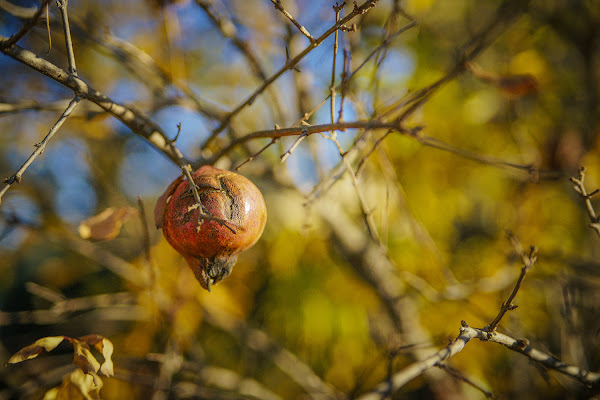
point(33, 350)
point(88, 384)
point(107, 224)
point(161, 203)
point(76, 386)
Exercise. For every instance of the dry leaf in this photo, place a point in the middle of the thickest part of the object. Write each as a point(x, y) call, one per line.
point(104, 346)
point(88, 384)
point(107, 224)
point(514, 85)
point(161, 203)
point(76, 386)
point(33, 350)
point(84, 358)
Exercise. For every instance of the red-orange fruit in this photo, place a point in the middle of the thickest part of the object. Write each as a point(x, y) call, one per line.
point(238, 213)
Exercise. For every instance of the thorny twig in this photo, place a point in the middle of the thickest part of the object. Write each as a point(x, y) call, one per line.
point(579, 187)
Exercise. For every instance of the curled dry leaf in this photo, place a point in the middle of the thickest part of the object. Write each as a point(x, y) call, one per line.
point(107, 224)
point(104, 346)
point(34, 349)
point(88, 384)
point(77, 386)
point(84, 358)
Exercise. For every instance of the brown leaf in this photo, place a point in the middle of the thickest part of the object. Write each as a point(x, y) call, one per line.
point(33, 350)
point(84, 358)
point(518, 85)
point(161, 202)
point(107, 224)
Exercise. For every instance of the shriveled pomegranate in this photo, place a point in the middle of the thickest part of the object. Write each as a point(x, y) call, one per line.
point(232, 220)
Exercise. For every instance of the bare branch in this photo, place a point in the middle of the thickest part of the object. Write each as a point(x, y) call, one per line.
point(62, 6)
point(290, 64)
point(579, 187)
point(528, 262)
point(16, 177)
point(466, 334)
point(414, 133)
point(136, 121)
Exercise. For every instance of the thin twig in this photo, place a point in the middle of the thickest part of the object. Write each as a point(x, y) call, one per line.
point(293, 147)
point(460, 376)
point(62, 6)
point(367, 212)
point(337, 8)
point(229, 31)
point(532, 171)
point(253, 156)
point(302, 29)
point(8, 42)
point(528, 260)
point(340, 87)
point(507, 12)
point(16, 177)
point(587, 198)
point(290, 64)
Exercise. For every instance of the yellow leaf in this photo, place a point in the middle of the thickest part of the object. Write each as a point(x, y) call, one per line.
point(107, 224)
point(33, 350)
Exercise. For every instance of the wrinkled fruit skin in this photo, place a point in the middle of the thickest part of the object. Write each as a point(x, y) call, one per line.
point(211, 248)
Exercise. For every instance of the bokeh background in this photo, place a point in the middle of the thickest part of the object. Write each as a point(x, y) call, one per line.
point(303, 315)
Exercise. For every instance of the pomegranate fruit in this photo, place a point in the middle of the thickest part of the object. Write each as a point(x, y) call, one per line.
point(232, 220)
